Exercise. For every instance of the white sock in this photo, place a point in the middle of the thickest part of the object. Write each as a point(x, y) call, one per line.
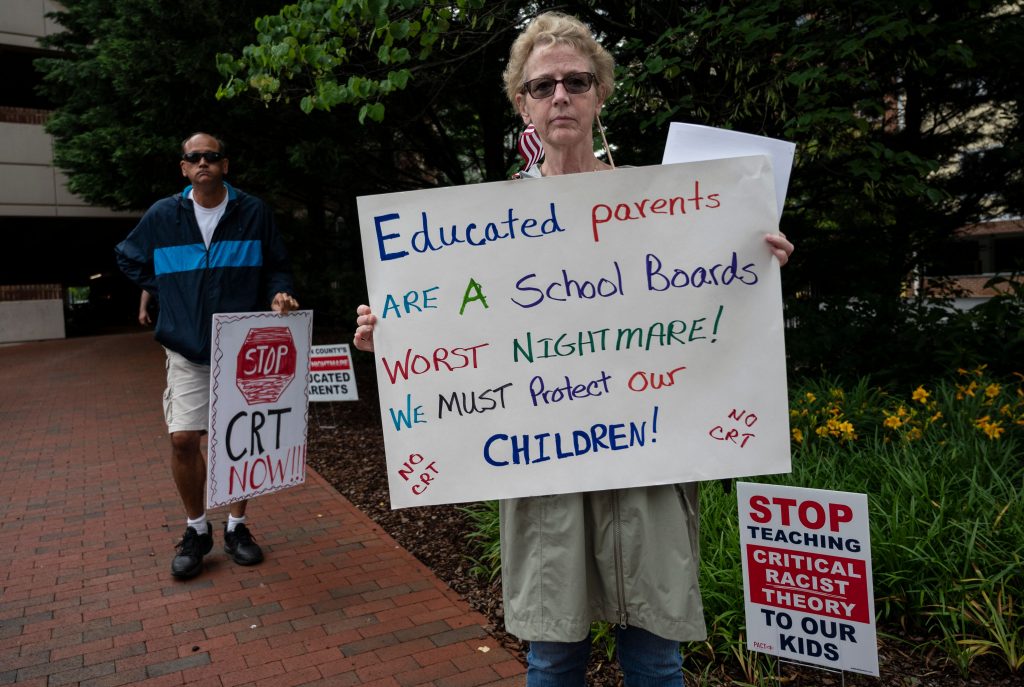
point(233, 521)
point(198, 524)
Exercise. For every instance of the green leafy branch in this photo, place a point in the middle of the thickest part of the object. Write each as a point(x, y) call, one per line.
point(329, 53)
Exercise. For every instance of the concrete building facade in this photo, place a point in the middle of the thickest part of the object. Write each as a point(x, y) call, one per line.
point(57, 265)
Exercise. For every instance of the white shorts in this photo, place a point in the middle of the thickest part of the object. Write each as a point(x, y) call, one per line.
point(187, 396)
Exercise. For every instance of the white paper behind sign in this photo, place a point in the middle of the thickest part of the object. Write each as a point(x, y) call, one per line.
point(692, 143)
point(259, 367)
point(808, 588)
point(578, 332)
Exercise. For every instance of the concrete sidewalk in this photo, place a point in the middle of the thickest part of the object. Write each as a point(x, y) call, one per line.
point(88, 522)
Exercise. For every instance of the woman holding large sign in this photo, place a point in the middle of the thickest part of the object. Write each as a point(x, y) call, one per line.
point(626, 556)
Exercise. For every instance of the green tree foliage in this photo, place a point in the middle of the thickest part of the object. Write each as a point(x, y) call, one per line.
point(883, 99)
point(134, 77)
point(906, 114)
point(907, 119)
point(433, 66)
point(317, 41)
point(908, 125)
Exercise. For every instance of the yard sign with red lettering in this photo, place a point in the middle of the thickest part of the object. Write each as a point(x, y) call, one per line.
point(331, 377)
point(259, 367)
point(807, 575)
point(578, 332)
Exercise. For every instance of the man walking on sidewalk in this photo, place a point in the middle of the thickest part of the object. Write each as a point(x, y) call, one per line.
point(210, 249)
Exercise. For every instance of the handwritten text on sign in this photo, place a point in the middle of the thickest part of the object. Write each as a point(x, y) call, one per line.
point(579, 332)
point(807, 575)
point(258, 397)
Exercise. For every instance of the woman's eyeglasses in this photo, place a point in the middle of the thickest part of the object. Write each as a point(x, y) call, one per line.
point(575, 83)
point(210, 156)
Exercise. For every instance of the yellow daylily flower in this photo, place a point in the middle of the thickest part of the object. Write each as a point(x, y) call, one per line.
point(893, 422)
point(993, 430)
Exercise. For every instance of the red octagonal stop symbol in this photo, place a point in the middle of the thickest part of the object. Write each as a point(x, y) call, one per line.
point(266, 364)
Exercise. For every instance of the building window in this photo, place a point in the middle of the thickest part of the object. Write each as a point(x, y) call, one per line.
point(1008, 254)
point(21, 79)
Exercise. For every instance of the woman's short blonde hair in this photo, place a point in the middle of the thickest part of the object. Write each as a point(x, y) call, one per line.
point(556, 28)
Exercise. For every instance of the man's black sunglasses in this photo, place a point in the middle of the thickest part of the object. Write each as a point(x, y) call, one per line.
point(210, 156)
point(575, 83)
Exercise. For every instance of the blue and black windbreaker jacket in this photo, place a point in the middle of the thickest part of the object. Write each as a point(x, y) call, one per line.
point(245, 266)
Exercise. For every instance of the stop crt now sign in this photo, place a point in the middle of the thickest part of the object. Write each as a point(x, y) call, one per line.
point(266, 364)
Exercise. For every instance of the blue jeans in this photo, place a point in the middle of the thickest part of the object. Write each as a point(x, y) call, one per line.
point(646, 659)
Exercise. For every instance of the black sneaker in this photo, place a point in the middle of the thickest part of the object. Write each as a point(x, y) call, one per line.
point(191, 549)
point(241, 547)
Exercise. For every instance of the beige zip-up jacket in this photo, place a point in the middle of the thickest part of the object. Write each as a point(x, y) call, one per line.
point(626, 556)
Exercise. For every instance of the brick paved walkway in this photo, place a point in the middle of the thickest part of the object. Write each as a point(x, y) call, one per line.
point(88, 520)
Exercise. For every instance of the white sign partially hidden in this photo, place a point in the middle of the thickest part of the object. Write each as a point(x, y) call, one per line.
point(578, 332)
point(807, 579)
point(258, 404)
point(693, 142)
point(331, 376)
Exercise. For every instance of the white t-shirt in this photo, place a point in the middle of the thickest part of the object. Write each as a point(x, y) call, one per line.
point(207, 218)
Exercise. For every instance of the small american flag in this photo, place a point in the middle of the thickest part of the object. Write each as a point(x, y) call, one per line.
point(530, 147)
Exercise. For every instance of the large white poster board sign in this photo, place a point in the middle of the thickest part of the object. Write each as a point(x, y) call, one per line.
point(807, 582)
point(259, 366)
point(578, 332)
point(331, 376)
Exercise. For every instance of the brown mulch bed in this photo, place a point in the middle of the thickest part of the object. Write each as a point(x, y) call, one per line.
point(346, 447)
